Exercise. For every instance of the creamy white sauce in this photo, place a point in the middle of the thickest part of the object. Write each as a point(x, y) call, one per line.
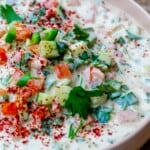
point(105, 21)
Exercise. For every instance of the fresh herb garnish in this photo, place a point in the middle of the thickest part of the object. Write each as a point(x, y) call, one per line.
point(80, 33)
point(126, 100)
point(132, 36)
point(103, 114)
point(62, 47)
point(7, 12)
point(84, 55)
point(121, 41)
point(73, 132)
point(78, 101)
point(22, 63)
point(24, 79)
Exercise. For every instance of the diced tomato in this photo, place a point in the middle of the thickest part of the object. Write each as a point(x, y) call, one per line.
point(22, 32)
point(37, 84)
point(62, 71)
point(3, 56)
point(9, 109)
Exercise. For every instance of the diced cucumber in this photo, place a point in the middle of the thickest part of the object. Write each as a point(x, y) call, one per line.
point(106, 58)
point(97, 101)
point(44, 99)
point(78, 48)
point(61, 93)
point(48, 49)
point(64, 82)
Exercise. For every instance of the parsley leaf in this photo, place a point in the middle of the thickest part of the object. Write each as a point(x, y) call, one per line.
point(73, 132)
point(78, 101)
point(7, 12)
point(103, 114)
point(80, 33)
point(24, 79)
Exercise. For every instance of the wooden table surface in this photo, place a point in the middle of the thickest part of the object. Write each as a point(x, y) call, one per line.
point(146, 5)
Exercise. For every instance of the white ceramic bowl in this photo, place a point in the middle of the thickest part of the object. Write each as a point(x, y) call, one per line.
point(142, 134)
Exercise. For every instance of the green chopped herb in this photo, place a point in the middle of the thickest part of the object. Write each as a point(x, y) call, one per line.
point(35, 17)
point(126, 100)
point(79, 101)
point(7, 12)
point(132, 36)
point(73, 132)
point(80, 33)
point(22, 63)
point(62, 47)
point(84, 55)
point(103, 114)
point(24, 79)
point(121, 41)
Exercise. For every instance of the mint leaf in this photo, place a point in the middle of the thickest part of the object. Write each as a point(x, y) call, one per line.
point(7, 12)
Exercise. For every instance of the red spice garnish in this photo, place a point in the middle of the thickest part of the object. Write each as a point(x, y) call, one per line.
point(97, 131)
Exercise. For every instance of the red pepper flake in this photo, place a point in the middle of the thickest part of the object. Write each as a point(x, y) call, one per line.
point(97, 132)
point(58, 136)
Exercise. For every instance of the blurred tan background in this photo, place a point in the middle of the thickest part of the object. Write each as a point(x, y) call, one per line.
point(145, 4)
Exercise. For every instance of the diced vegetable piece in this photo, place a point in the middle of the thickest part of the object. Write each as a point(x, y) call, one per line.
point(48, 49)
point(61, 93)
point(103, 114)
point(22, 32)
point(3, 56)
point(11, 34)
point(106, 58)
point(62, 71)
point(77, 49)
point(35, 39)
point(97, 101)
point(9, 109)
point(8, 13)
point(50, 34)
point(24, 79)
point(126, 100)
point(44, 99)
point(62, 47)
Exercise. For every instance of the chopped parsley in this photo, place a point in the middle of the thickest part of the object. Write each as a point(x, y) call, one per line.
point(78, 101)
point(80, 33)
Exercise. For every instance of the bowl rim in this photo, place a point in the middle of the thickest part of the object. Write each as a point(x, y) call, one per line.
point(145, 124)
